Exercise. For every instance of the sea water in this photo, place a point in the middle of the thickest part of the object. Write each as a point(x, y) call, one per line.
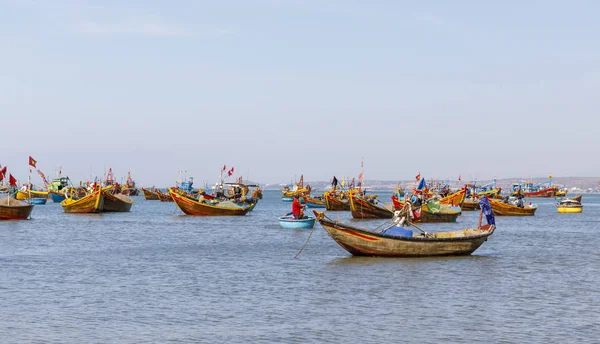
point(155, 275)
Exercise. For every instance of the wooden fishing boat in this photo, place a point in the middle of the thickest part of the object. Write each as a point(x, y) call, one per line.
point(150, 195)
point(209, 207)
point(91, 203)
point(130, 191)
point(446, 213)
point(470, 204)
point(314, 202)
point(13, 209)
point(423, 214)
point(116, 202)
point(455, 199)
point(507, 209)
point(336, 201)
point(400, 242)
point(289, 222)
point(164, 197)
point(24, 195)
point(570, 205)
point(369, 208)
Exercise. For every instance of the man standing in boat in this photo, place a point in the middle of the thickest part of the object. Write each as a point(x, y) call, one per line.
point(297, 207)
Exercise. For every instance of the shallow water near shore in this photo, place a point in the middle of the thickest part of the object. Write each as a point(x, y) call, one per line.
point(156, 275)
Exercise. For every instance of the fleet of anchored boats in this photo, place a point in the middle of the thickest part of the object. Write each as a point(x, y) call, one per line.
point(425, 203)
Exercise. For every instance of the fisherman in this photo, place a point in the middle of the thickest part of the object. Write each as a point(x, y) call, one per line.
point(297, 208)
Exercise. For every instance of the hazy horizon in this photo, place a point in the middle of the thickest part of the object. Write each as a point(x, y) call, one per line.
point(283, 88)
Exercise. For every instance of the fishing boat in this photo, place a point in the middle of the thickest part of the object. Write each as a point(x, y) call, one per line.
point(13, 209)
point(90, 203)
point(455, 199)
point(164, 197)
point(394, 240)
point(23, 195)
point(207, 205)
point(314, 202)
point(570, 205)
point(501, 208)
point(290, 222)
point(129, 189)
point(470, 204)
point(115, 202)
point(541, 190)
point(337, 201)
point(369, 207)
point(431, 212)
point(150, 195)
point(289, 191)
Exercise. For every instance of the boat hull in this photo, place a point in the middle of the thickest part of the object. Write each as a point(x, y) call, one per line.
point(364, 243)
point(164, 197)
point(287, 199)
point(565, 210)
point(363, 209)
point(193, 207)
point(116, 203)
point(130, 192)
point(150, 195)
point(21, 196)
point(503, 209)
point(470, 205)
point(334, 203)
point(16, 210)
point(291, 223)
point(38, 201)
point(546, 193)
point(89, 204)
point(56, 197)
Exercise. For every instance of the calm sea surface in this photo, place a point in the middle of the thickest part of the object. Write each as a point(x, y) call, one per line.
point(156, 275)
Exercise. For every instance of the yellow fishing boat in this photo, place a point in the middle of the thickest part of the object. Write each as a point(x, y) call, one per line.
point(25, 195)
point(570, 205)
point(91, 203)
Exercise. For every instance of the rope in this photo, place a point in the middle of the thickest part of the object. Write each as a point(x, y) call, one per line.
point(302, 248)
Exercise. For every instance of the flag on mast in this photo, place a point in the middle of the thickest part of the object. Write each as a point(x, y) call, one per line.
point(32, 161)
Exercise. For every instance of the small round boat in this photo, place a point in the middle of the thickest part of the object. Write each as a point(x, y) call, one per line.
point(38, 201)
point(289, 222)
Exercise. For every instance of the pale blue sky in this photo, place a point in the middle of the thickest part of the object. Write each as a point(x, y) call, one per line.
point(281, 88)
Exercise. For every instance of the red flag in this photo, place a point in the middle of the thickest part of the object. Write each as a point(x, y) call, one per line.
point(32, 161)
point(459, 178)
point(2, 173)
point(12, 180)
point(418, 177)
point(224, 168)
point(301, 181)
point(230, 172)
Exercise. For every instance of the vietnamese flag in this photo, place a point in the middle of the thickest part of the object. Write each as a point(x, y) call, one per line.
point(2, 173)
point(12, 180)
point(32, 161)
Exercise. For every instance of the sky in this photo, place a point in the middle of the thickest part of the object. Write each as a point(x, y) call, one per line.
point(277, 89)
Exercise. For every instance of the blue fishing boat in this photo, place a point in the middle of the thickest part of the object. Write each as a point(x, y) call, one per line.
point(289, 222)
point(38, 201)
point(56, 197)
